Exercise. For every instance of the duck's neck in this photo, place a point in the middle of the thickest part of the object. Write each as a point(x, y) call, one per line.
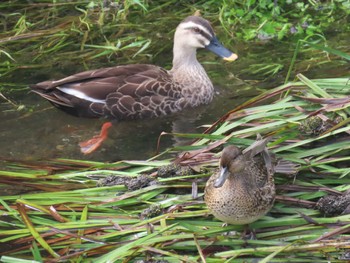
point(186, 70)
point(184, 57)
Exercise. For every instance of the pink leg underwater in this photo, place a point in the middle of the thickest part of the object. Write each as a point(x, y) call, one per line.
point(95, 142)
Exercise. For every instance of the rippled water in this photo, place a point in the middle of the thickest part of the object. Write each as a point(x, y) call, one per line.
point(44, 132)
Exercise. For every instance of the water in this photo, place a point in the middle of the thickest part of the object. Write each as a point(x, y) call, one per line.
point(41, 131)
point(47, 132)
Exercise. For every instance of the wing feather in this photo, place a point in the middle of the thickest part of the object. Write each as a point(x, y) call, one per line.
point(123, 92)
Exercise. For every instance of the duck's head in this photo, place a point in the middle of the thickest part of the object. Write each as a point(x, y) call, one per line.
point(196, 32)
point(230, 163)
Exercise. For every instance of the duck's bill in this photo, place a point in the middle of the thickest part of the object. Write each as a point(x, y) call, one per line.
point(217, 48)
point(224, 173)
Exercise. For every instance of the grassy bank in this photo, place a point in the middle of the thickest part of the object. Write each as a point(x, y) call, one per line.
point(83, 211)
point(153, 210)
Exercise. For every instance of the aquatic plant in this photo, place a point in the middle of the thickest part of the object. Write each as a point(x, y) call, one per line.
point(43, 34)
point(74, 210)
point(81, 211)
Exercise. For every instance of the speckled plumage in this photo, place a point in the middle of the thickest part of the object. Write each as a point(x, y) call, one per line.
point(142, 91)
point(246, 194)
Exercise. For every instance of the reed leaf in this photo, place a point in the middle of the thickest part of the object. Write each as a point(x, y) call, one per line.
point(73, 216)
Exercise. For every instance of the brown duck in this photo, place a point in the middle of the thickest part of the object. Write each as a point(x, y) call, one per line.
point(142, 91)
point(243, 190)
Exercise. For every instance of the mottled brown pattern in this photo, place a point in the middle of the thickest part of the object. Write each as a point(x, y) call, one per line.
point(130, 92)
point(139, 91)
point(248, 192)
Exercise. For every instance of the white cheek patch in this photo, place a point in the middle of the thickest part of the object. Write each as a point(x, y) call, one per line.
point(194, 42)
point(80, 95)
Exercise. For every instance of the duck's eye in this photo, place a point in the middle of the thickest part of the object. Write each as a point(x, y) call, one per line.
point(197, 30)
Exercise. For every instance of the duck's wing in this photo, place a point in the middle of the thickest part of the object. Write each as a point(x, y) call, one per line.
point(256, 147)
point(151, 93)
point(124, 92)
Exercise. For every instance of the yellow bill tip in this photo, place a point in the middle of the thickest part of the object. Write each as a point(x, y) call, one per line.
point(233, 57)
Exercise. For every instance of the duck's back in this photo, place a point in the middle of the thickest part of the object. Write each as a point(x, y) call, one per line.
point(123, 92)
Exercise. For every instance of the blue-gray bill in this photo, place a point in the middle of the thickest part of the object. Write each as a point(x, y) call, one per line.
point(217, 48)
point(224, 173)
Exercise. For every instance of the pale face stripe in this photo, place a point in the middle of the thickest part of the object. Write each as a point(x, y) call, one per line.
point(205, 32)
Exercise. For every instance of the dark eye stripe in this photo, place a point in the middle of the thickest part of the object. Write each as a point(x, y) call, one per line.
point(200, 21)
point(204, 34)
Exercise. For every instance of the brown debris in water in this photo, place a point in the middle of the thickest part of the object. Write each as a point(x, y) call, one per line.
point(152, 211)
point(112, 180)
point(174, 170)
point(315, 126)
point(140, 181)
point(132, 183)
point(333, 205)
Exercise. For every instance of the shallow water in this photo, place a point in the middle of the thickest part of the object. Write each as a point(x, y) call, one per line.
point(41, 131)
point(50, 133)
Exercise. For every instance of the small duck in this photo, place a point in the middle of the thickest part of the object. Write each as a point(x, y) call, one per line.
point(243, 190)
point(140, 91)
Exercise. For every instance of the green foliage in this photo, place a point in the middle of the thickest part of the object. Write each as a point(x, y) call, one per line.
point(93, 28)
point(41, 34)
point(66, 211)
point(315, 46)
point(266, 19)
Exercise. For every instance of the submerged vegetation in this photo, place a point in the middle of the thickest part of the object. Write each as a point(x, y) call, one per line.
point(43, 34)
point(66, 210)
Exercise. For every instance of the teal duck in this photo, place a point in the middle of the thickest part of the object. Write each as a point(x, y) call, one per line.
point(243, 190)
point(139, 90)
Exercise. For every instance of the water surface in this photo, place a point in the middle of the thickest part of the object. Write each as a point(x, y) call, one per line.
point(41, 131)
